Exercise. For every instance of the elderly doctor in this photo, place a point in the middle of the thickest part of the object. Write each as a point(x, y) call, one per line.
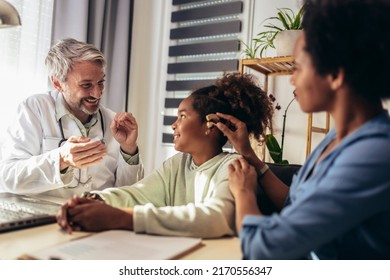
point(63, 142)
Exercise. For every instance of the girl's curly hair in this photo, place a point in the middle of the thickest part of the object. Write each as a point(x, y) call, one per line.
point(237, 95)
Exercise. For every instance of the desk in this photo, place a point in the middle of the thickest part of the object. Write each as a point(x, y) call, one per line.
point(17, 243)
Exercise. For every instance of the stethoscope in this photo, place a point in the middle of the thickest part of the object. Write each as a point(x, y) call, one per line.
point(63, 139)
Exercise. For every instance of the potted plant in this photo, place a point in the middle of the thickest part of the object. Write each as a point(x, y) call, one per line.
point(282, 32)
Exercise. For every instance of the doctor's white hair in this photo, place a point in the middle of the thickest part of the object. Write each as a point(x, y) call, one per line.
point(65, 53)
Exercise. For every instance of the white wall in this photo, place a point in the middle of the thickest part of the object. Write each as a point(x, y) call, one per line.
point(148, 74)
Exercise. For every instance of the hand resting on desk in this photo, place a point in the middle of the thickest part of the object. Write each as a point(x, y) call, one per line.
point(83, 214)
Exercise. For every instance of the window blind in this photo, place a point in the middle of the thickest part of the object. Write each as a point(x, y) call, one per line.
point(203, 45)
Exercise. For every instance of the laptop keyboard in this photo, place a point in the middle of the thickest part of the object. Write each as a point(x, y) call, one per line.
point(10, 211)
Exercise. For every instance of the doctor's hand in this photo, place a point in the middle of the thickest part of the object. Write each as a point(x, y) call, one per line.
point(81, 152)
point(124, 128)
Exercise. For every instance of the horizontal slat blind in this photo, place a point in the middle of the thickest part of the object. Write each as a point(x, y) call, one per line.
point(198, 67)
point(206, 12)
point(204, 44)
point(179, 2)
point(187, 85)
point(206, 30)
point(204, 48)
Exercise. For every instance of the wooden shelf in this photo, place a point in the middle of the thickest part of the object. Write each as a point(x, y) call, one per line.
point(279, 66)
point(273, 66)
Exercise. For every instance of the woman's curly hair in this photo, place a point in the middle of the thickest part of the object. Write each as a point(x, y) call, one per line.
point(237, 95)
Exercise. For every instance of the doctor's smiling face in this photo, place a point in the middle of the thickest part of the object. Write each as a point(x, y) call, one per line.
point(83, 88)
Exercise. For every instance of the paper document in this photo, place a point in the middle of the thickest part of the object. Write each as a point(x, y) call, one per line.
point(119, 245)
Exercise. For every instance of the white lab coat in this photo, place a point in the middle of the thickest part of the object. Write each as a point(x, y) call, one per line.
point(31, 160)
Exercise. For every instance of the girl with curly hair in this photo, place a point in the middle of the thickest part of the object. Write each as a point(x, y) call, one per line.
point(189, 194)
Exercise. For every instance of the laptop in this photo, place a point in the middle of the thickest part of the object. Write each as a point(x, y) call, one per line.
point(22, 211)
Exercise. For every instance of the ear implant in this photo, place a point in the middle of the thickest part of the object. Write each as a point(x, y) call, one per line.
point(211, 120)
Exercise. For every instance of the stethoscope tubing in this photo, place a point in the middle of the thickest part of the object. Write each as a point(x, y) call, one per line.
point(63, 139)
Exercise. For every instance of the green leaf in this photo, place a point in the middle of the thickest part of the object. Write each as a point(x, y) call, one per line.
point(250, 50)
point(272, 143)
point(272, 26)
point(297, 23)
point(283, 21)
point(273, 148)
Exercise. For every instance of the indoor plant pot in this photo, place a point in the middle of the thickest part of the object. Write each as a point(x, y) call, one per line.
point(285, 42)
point(285, 20)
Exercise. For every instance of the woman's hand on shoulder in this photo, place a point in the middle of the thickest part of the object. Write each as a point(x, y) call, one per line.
point(242, 178)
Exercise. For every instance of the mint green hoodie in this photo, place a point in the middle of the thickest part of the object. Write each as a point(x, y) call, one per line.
point(181, 198)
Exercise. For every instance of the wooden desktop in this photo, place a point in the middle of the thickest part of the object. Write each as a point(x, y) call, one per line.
point(17, 244)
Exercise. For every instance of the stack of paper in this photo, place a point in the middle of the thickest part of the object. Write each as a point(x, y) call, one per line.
point(119, 245)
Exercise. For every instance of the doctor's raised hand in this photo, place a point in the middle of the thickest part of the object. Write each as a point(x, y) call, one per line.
point(124, 128)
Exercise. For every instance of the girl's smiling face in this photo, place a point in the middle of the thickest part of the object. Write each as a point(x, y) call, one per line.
point(189, 133)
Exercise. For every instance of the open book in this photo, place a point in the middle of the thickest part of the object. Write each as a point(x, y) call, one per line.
point(119, 245)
